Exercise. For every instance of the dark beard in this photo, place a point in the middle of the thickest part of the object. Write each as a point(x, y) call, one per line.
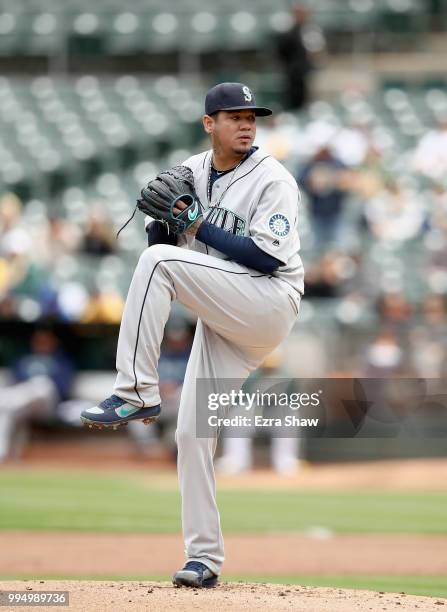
point(242, 149)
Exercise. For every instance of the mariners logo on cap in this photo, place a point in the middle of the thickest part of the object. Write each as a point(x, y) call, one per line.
point(279, 225)
point(248, 96)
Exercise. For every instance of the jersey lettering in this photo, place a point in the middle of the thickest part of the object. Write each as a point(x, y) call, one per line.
point(263, 205)
point(227, 220)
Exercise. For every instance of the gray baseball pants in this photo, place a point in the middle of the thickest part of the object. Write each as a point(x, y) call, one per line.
point(243, 315)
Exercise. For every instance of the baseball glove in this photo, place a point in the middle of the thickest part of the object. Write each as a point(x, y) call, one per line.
point(159, 197)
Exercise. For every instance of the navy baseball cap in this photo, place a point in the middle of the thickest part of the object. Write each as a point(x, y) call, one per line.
point(232, 96)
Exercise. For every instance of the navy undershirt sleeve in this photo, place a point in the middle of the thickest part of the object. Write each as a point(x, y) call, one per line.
point(239, 248)
point(157, 233)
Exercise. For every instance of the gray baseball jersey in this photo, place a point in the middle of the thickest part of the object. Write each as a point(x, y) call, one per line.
point(259, 199)
point(243, 315)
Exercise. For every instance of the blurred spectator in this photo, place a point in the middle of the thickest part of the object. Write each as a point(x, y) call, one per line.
point(352, 143)
point(429, 339)
point(13, 232)
point(394, 307)
point(329, 275)
point(99, 238)
point(46, 358)
point(25, 289)
point(279, 135)
point(32, 262)
point(430, 156)
point(43, 379)
point(385, 356)
point(437, 197)
point(435, 314)
point(435, 264)
point(369, 179)
point(59, 238)
point(396, 314)
point(8, 306)
point(394, 214)
point(323, 180)
point(19, 403)
point(295, 60)
point(174, 357)
point(104, 306)
point(72, 301)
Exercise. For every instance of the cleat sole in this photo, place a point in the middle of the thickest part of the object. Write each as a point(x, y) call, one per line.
point(150, 420)
point(92, 425)
point(181, 582)
point(190, 579)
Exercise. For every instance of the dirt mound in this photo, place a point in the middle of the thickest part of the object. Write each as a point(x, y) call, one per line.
point(139, 596)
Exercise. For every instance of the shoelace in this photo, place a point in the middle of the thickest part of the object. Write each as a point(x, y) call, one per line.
point(112, 402)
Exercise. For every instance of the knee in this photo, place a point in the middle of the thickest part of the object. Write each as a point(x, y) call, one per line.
point(192, 447)
point(157, 253)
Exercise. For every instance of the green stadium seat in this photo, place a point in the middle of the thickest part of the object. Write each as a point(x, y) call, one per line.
point(241, 30)
point(46, 36)
point(162, 31)
point(46, 26)
point(205, 31)
point(14, 31)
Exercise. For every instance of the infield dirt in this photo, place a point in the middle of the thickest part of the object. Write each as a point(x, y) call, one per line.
point(95, 554)
point(156, 596)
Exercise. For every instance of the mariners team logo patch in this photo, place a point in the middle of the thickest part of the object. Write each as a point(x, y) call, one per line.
point(279, 225)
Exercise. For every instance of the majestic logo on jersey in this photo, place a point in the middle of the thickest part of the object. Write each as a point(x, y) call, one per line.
point(226, 219)
point(279, 225)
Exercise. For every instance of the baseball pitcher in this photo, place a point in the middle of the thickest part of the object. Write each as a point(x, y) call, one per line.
point(223, 240)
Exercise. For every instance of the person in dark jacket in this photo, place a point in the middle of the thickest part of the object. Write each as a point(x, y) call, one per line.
point(322, 180)
point(294, 57)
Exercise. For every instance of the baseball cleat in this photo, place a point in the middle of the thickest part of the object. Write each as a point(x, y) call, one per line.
point(195, 574)
point(115, 412)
